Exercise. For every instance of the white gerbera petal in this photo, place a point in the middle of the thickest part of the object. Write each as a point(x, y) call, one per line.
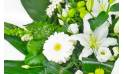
point(78, 72)
point(108, 42)
point(102, 31)
point(85, 53)
point(58, 48)
point(103, 54)
point(73, 28)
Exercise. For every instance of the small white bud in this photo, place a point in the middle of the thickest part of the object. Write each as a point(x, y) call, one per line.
point(73, 28)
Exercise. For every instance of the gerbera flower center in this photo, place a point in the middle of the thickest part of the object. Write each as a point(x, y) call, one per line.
point(93, 42)
point(57, 47)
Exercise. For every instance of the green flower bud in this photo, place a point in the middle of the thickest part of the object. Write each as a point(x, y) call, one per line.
point(80, 4)
point(71, 12)
point(83, 12)
point(99, 71)
point(89, 4)
point(91, 73)
point(25, 66)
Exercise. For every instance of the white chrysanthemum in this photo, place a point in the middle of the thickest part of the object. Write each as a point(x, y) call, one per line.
point(50, 9)
point(93, 41)
point(78, 72)
point(56, 2)
point(65, 10)
point(58, 48)
point(73, 28)
point(103, 54)
point(116, 51)
point(26, 37)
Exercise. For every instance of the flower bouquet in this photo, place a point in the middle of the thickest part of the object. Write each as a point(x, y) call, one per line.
point(66, 37)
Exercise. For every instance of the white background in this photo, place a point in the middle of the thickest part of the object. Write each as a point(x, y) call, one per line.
point(14, 13)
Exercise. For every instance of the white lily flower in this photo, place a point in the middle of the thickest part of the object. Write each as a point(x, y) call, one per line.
point(73, 28)
point(78, 72)
point(100, 5)
point(103, 5)
point(94, 41)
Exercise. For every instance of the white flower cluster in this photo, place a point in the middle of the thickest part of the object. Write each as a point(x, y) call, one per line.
point(52, 7)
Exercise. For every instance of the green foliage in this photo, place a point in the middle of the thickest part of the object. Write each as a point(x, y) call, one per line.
point(14, 67)
point(87, 63)
point(12, 30)
point(114, 7)
point(36, 9)
point(34, 46)
point(17, 43)
point(99, 20)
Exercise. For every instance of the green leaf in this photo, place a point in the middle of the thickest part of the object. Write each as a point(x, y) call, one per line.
point(17, 43)
point(99, 20)
point(36, 8)
point(35, 59)
point(114, 7)
point(87, 63)
point(14, 67)
point(10, 29)
point(34, 47)
point(41, 30)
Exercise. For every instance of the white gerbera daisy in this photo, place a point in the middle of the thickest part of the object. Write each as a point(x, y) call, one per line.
point(78, 72)
point(93, 41)
point(103, 54)
point(58, 48)
point(73, 28)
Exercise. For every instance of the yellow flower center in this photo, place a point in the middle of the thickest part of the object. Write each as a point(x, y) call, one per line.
point(93, 42)
point(57, 47)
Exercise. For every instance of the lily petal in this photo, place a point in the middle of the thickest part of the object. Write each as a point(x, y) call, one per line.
point(102, 31)
point(85, 53)
point(86, 24)
point(82, 38)
point(108, 42)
